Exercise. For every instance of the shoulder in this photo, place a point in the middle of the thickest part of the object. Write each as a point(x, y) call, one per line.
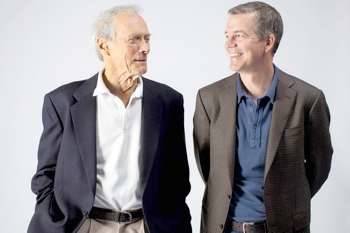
point(69, 89)
point(162, 90)
point(65, 90)
point(62, 97)
point(214, 90)
point(307, 95)
point(303, 89)
point(211, 94)
point(217, 86)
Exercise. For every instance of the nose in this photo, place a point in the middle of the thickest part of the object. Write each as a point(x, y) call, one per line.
point(145, 46)
point(230, 42)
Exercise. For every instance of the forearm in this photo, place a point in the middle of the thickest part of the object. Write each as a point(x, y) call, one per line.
point(319, 148)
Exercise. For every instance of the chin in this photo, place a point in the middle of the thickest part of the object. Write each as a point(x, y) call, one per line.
point(142, 71)
point(235, 68)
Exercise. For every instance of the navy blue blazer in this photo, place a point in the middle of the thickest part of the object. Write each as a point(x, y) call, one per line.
point(65, 181)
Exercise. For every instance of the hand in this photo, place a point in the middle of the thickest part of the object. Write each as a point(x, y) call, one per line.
point(128, 79)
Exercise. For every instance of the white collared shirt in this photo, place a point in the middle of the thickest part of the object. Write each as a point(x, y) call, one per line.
point(118, 140)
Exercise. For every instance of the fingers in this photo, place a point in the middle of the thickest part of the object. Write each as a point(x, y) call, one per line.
point(128, 84)
point(126, 81)
point(128, 69)
point(128, 78)
point(127, 75)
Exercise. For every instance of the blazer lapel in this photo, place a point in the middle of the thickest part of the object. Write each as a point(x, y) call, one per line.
point(152, 110)
point(228, 106)
point(284, 102)
point(83, 114)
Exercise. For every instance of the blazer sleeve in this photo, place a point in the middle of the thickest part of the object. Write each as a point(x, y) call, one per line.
point(201, 138)
point(43, 181)
point(318, 144)
point(179, 169)
point(180, 145)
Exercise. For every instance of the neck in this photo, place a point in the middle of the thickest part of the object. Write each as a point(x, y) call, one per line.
point(257, 81)
point(111, 78)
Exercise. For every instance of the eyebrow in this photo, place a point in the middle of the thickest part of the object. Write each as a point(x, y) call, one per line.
point(237, 31)
point(140, 34)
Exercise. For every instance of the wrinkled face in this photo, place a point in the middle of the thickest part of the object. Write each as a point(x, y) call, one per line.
point(129, 50)
point(245, 49)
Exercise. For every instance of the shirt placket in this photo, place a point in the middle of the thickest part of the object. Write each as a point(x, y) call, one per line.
point(255, 113)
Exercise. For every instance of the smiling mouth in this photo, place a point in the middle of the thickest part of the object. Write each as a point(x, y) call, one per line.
point(235, 55)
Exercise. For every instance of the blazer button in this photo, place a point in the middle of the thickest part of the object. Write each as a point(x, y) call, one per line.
point(229, 196)
point(221, 226)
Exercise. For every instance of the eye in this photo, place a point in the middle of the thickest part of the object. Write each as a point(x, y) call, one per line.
point(131, 40)
point(137, 38)
point(238, 36)
point(134, 39)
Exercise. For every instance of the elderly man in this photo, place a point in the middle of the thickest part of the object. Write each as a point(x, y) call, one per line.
point(261, 136)
point(112, 154)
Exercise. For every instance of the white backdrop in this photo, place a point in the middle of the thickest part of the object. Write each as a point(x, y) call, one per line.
point(44, 44)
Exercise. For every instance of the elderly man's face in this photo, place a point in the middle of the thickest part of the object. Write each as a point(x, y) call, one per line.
point(245, 49)
point(129, 50)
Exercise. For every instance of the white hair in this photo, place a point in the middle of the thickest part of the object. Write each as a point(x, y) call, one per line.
point(103, 26)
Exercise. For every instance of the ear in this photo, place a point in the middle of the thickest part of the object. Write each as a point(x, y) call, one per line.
point(102, 45)
point(270, 43)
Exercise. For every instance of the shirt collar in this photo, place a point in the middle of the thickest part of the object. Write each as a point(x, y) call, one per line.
point(102, 89)
point(270, 93)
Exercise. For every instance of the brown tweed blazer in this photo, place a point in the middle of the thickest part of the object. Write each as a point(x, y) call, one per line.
point(298, 156)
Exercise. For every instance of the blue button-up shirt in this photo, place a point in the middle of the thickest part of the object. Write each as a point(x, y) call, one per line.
point(252, 131)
